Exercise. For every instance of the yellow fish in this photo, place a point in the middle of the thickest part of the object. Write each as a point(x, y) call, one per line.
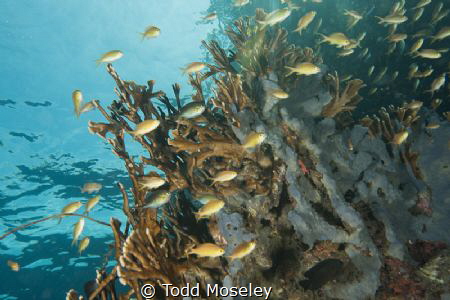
point(109, 57)
point(242, 250)
point(158, 199)
point(345, 52)
point(239, 3)
point(77, 99)
point(400, 137)
point(209, 209)
point(415, 104)
point(207, 250)
point(254, 139)
point(279, 94)
point(370, 72)
point(392, 19)
point(276, 17)
point(305, 21)
point(204, 199)
point(397, 37)
point(417, 14)
point(192, 110)
point(416, 46)
point(422, 3)
point(145, 127)
point(305, 68)
point(91, 187)
point(437, 84)
point(151, 32)
point(91, 203)
point(13, 265)
point(337, 39)
point(441, 34)
point(83, 244)
point(428, 53)
point(210, 17)
point(151, 182)
point(193, 67)
point(432, 126)
point(77, 230)
point(71, 207)
point(223, 176)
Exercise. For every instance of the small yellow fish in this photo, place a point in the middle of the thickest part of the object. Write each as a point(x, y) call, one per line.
point(422, 3)
point(239, 3)
point(432, 126)
point(210, 17)
point(254, 139)
point(71, 207)
point(400, 137)
point(151, 182)
point(84, 243)
point(91, 187)
point(77, 230)
point(151, 32)
point(305, 21)
point(441, 34)
point(435, 103)
point(91, 203)
point(158, 199)
point(203, 199)
point(354, 18)
point(338, 39)
point(417, 14)
point(242, 250)
point(193, 67)
point(397, 37)
point(305, 68)
point(145, 127)
point(416, 46)
point(13, 265)
point(415, 104)
point(77, 99)
point(207, 250)
point(192, 110)
point(209, 209)
point(392, 19)
point(275, 17)
point(279, 94)
point(345, 52)
point(223, 176)
point(109, 57)
point(373, 90)
point(428, 53)
point(437, 84)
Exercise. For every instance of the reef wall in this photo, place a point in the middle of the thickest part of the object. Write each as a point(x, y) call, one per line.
point(339, 208)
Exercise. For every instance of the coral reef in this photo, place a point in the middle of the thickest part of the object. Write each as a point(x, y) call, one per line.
point(326, 203)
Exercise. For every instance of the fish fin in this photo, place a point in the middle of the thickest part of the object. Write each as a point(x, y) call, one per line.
point(380, 19)
point(291, 70)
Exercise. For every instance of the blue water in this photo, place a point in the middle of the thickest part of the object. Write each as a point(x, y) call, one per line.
point(48, 48)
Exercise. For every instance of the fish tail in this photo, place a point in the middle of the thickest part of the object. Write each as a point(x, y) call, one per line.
point(74, 242)
point(381, 20)
point(291, 70)
point(98, 62)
